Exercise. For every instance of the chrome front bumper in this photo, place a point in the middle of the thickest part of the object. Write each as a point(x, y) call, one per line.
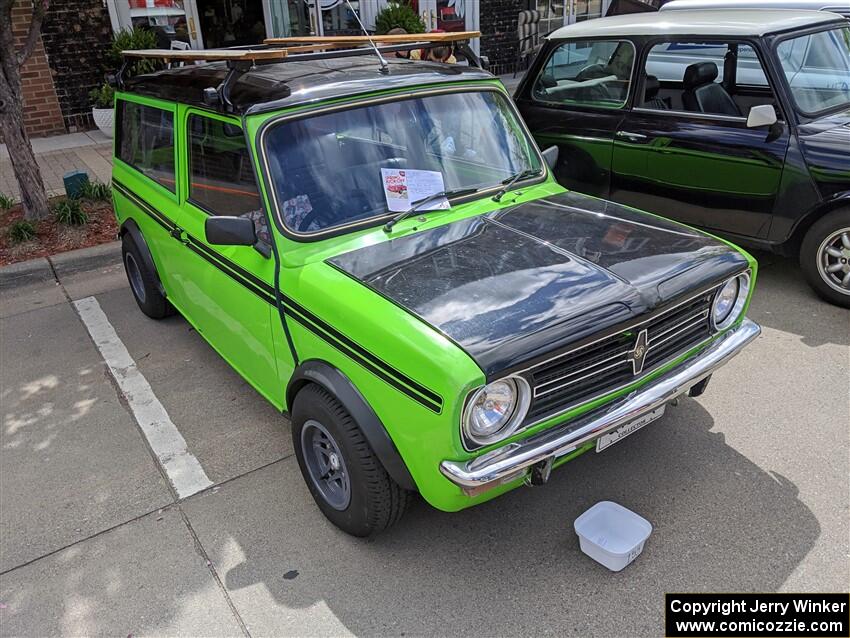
point(509, 462)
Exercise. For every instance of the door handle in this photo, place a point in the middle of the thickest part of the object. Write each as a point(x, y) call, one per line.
point(632, 137)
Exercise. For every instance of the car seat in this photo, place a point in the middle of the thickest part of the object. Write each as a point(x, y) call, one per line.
point(703, 95)
point(650, 97)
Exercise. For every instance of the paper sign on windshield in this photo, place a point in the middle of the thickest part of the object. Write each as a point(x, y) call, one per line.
point(403, 187)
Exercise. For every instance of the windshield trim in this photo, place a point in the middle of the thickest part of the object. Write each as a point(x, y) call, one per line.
point(783, 78)
point(379, 220)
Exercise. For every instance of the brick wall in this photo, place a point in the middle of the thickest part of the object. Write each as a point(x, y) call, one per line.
point(42, 114)
point(498, 25)
point(76, 35)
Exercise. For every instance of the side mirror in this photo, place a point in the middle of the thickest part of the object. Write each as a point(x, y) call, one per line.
point(761, 115)
point(551, 156)
point(230, 231)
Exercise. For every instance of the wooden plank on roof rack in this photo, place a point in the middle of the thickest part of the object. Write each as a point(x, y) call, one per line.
point(208, 54)
point(356, 40)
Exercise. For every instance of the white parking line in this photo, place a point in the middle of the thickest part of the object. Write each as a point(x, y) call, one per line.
point(182, 468)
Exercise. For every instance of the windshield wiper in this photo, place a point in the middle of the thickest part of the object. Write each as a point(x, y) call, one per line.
point(458, 192)
point(513, 179)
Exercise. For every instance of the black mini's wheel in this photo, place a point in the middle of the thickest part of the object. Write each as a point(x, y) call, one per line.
point(825, 257)
point(143, 283)
point(346, 479)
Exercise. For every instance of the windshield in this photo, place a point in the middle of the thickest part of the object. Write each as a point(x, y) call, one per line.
point(326, 170)
point(817, 67)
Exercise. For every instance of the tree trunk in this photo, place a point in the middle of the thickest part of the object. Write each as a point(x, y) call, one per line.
point(27, 172)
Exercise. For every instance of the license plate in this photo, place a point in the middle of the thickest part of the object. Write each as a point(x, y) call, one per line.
point(615, 436)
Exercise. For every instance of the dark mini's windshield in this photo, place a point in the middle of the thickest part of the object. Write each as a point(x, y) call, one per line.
point(326, 170)
point(817, 67)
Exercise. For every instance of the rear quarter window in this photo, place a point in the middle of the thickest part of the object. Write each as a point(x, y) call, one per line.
point(146, 141)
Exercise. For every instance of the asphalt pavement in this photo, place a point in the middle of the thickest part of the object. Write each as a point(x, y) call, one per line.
point(746, 488)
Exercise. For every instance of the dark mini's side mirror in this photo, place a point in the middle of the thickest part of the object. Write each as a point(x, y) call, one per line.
point(230, 231)
point(551, 156)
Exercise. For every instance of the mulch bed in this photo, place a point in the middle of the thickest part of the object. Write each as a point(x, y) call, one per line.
point(53, 237)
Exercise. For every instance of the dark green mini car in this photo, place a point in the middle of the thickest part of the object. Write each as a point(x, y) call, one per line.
point(382, 252)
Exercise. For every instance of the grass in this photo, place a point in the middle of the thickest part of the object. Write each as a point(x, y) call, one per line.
point(96, 191)
point(70, 213)
point(6, 202)
point(22, 231)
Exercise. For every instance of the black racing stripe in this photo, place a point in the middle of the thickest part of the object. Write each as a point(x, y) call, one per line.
point(390, 376)
point(268, 299)
point(319, 327)
point(378, 372)
point(254, 280)
point(161, 219)
point(294, 307)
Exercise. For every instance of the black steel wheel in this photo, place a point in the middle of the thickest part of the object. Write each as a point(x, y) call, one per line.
point(344, 476)
point(144, 284)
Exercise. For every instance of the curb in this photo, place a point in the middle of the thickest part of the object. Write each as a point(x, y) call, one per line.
point(39, 270)
point(82, 259)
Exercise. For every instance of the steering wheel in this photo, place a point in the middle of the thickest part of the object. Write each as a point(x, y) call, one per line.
point(591, 71)
point(357, 201)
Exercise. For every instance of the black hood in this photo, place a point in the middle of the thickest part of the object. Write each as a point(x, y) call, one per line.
point(513, 285)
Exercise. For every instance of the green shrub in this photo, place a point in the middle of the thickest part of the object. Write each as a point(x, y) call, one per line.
point(6, 202)
point(96, 191)
point(398, 15)
point(102, 97)
point(131, 40)
point(22, 231)
point(70, 213)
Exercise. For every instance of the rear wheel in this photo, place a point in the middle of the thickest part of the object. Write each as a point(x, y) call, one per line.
point(346, 479)
point(825, 257)
point(144, 284)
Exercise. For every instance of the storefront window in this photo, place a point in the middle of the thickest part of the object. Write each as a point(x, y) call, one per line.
point(228, 23)
point(167, 18)
point(551, 15)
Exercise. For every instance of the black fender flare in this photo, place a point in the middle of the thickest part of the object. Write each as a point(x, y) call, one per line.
point(130, 227)
point(340, 386)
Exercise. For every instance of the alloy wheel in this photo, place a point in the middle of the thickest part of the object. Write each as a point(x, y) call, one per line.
point(834, 260)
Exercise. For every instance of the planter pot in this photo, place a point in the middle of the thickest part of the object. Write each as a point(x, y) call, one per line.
point(104, 119)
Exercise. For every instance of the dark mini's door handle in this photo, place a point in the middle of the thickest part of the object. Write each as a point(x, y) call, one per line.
point(632, 137)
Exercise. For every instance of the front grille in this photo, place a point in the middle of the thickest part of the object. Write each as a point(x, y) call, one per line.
point(603, 366)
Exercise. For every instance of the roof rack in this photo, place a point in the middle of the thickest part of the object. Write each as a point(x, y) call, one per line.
point(296, 49)
point(400, 38)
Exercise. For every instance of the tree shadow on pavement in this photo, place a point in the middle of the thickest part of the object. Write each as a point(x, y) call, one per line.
point(513, 566)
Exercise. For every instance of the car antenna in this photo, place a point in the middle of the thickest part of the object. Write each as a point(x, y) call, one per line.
point(385, 68)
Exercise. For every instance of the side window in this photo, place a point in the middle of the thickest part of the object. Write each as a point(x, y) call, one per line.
point(689, 76)
point(749, 71)
point(221, 176)
point(588, 73)
point(146, 141)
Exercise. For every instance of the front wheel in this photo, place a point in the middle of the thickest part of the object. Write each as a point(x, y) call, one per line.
point(346, 479)
point(825, 257)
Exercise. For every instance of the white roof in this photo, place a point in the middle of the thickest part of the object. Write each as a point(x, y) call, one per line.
point(839, 6)
point(709, 22)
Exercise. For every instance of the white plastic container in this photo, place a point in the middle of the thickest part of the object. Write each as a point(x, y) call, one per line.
point(611, 534)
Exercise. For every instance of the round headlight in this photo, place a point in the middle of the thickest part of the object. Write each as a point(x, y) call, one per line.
point(495, 411)
point(729, 301)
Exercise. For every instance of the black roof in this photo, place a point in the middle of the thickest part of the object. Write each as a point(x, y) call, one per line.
point(269, 87)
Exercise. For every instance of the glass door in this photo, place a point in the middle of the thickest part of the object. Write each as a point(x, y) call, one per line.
point(285, 18)
point(449, 15)
point(170, 19)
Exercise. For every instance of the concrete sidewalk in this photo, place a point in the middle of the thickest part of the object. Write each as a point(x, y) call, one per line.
point(89, 151)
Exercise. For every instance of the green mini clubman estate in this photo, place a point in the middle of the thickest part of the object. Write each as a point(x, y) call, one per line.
point(379, 248)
